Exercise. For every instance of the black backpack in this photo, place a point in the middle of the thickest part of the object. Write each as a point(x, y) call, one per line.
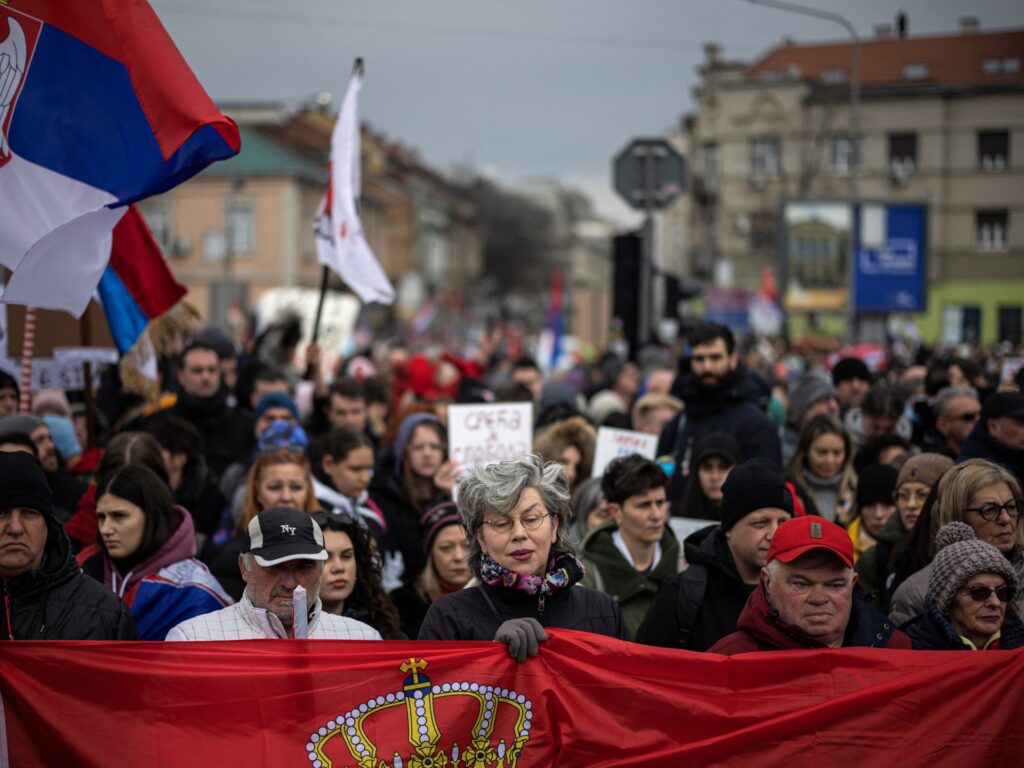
point(692, 586)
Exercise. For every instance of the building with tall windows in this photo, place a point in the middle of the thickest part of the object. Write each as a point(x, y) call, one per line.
point(940, 124)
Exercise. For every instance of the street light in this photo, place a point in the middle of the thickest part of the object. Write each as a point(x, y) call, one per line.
point(851, 179)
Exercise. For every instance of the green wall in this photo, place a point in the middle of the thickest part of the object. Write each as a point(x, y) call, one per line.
point(989, 295)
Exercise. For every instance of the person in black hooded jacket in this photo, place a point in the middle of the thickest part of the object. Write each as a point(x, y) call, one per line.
point(699, 606)
point(719, 396)
point(45, 594)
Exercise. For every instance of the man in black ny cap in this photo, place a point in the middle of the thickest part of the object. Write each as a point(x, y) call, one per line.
point(999, 434)
point(46, 595)
point(699, 606)
point(284, 550)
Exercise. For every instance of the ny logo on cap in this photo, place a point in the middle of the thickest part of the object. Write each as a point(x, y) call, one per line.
point(289, 529)
point(816, 532)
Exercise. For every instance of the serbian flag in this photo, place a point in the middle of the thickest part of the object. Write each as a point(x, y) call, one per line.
point(549, 344)
point(97, 110)
point(137, 286)
point(584, 702)
point(340, 242)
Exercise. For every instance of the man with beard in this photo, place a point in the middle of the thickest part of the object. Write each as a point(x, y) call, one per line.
point(227, 434)
point(719, 396)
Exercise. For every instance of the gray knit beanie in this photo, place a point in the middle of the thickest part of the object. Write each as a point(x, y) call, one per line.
point(808, 390)
point(959, 558)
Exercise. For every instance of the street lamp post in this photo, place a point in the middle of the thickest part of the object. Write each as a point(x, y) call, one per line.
point(851, 180)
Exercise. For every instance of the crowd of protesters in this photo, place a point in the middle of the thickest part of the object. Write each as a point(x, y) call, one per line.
point(247, 496)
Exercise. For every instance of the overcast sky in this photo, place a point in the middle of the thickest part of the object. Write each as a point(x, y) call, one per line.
point(516, 88)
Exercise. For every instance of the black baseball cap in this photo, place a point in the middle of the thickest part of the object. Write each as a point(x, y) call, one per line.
point(1003, 404)
point(280, 534)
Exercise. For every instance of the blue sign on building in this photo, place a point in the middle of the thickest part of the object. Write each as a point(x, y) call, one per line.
point(891, 250)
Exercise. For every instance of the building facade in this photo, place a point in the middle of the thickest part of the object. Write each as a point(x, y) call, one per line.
point(940, 123)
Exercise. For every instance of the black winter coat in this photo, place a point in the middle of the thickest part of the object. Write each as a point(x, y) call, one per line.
point(59, 602)
point(227, 433)
point(931, 631)
point(981, 445)
point(735, 409)
point(720, 601)
point(477, 612)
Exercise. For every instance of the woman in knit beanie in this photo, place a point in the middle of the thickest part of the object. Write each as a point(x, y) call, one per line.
point(913, 484)
point(875, 489)
point(970, 604)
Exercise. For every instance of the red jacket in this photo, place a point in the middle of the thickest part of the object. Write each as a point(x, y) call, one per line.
point(760, 629)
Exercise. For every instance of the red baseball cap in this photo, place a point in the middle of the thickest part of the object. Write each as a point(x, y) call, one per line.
point(800, 535)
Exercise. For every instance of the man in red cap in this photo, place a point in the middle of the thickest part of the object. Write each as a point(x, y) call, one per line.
point(806, 598)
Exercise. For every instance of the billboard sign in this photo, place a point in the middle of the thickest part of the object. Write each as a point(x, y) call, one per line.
point(891, 258)
point(818, 244)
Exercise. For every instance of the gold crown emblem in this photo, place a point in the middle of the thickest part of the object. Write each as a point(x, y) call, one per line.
point(501, 727)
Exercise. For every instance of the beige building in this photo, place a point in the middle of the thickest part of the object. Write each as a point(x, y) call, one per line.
point(941, 122)
point(249, 220)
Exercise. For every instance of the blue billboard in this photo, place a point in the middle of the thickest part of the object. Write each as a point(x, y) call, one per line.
point(891, 250)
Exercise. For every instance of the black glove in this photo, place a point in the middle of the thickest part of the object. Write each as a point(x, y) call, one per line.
point(522, 636)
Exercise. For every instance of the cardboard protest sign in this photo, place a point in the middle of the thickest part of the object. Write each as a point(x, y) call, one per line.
point(483, 433)
point(616, 443)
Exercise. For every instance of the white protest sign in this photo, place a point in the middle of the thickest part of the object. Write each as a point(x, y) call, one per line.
point(1010, 367)
point(616, 443)
point(488, 432)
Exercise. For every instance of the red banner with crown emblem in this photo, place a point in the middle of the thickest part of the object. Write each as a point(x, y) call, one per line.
point(585, 701)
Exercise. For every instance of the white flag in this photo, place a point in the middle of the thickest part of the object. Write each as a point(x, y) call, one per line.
point(340, 243)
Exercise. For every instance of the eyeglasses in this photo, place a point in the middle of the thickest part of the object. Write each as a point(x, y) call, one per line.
point(991, 511)
point(968, 418)
point(531, 522)
point(980, 594)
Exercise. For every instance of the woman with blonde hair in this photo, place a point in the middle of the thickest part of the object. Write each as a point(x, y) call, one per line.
point(277, 478)
point(822, 467)
point(987, 497)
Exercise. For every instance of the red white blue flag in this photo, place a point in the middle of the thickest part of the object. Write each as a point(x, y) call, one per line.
point(97, 110)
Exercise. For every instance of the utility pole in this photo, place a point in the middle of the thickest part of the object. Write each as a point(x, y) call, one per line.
point(854, 130)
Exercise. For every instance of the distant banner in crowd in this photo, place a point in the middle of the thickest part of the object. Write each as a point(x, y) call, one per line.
point(585, 701)
point(483, 433)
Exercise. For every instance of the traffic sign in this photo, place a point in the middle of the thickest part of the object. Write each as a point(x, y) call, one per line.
point(649, 173)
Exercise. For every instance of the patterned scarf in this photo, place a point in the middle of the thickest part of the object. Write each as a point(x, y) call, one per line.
point(563, 570)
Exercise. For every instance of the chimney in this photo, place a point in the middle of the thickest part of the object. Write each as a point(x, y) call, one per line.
point(901, 25)
point(711, 52)
point(968, 25)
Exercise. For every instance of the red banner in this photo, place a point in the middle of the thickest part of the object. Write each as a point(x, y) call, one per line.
point(585, 701)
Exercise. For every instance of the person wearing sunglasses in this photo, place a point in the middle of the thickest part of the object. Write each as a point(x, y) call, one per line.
point(970, 604)
point(516, 515)
point(985, 496)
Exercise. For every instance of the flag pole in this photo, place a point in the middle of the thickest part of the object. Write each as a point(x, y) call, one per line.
point(88, 395)
point(357, 69)
point(28, 345)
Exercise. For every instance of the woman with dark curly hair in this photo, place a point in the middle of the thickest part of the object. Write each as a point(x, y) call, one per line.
point(351, 584)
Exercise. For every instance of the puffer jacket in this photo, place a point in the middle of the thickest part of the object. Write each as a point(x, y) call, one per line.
point(931, 631)
point(59, 602)
point(167, 588)
point(244, 621)
point(760, 629)
point(720, 601)
point(475, 613)
point(609, 571)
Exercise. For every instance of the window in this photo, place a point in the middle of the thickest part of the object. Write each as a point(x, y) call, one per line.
point(1011, 323)
point(902, 153)
point(844, 155)
point(158, 217)
point(764, 157)
point(1007, 66)
point(240, 234)
point(833, 76)
point(711, 167)
point(993, 150)
point(915, 71)
point(991, 228)
point(762, 230)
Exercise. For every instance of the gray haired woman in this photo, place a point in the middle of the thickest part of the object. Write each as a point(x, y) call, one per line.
point(516, 515)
